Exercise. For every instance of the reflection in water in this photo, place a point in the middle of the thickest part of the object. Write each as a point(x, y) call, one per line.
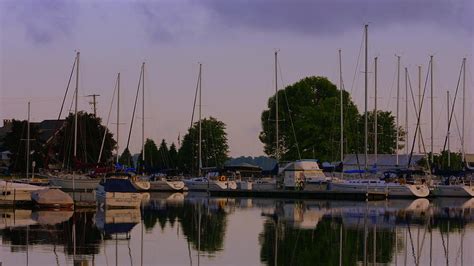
point(182, 229)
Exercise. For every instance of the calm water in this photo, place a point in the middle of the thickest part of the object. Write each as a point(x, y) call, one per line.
point(177, 229)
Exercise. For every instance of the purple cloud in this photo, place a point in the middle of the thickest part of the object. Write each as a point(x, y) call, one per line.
point(42, 21)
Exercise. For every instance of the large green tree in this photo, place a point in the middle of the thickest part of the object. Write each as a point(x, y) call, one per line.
point(309, 123)
point(16, 140)
point(213, 145)
point(90, 133)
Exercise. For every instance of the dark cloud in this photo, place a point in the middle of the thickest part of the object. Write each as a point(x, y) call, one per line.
point(42, 20)
point(336, 16)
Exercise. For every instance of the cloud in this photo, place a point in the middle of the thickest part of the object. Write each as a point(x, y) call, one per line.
point(336, 16)
point(42, 21)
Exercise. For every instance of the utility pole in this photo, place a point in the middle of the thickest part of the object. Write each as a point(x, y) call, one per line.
point(94, 102)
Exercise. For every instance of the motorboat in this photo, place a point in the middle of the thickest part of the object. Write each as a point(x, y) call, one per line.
point(118, 191)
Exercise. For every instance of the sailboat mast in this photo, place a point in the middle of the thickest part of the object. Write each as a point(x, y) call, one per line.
point(342, 106)
point(118, 113)
point(432, 106)
point(398, 109)
point(75, 105)
point(463, 109)
point(143, 114)
point(366, 95)
point(28, 144)
point(375, 111)
point(277, 151)
point(449, 132)
point(419, 106)
point(406, 114)
point(200, 117)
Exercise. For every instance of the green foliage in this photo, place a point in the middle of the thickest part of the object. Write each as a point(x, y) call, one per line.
point(15, 142)
point(214, 146)
point(386, 131)
point(313, 104)
point(126, 158)
point(173, 156)
point(440, 161)
point(163, 156)
point(90, 133)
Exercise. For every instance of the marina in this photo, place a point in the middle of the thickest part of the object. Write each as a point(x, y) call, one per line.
point(192, 230)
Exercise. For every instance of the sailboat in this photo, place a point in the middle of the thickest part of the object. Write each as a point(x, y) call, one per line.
point(210, 181)
point(402, 187)
point(14, 192)
point(456, 186)
point(73, 181)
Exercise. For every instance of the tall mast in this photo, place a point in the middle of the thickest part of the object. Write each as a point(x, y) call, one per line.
point(366, 95)
point(118, 113)
point(406, 114)
point(375, 111)
point(200, 124)
point(277, 151)
point(28, 144)
point(342, 104)
point(75, 105)
point(419, 106)
point(398, 108)
point(432, 106)
point(463, 109)
point(143, 115)
point(449, 132)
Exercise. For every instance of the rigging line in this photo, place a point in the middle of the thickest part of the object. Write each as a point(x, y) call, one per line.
point(195, 98)
point(418, 115)
point(357, 62)
point(67, 88)
point(107, 122)
point(418, 129)
point(454, 104)
point(412, 246)
point(457, 127)
point(289, 110)
point(134, 107)
point(391, 89)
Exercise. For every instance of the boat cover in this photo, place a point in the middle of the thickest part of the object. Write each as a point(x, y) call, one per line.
point(51, 197)
point(118, 185)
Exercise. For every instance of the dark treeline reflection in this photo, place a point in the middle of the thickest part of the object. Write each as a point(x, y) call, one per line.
point(203, 222)
point(50, 230)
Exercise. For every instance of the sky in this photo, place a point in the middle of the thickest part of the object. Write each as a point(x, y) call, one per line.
point(235, 41)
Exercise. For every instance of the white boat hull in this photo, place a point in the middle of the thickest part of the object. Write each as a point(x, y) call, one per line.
point(391, 189)
point(13, 192)
point(453, 191)
point(79, 183)
point(164, 185)
point(118, 199)
point(214, 185)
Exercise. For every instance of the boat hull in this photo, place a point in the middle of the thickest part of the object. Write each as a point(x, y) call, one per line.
point(453, 191)
point(391, 190)
point(81, 183)
point(164, 185)
point(212, 185)
point(118, 199)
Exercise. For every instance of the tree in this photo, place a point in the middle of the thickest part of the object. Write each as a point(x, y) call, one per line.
point(386, 131)
point(310, 107)
point(309, 127)
point(213, 145)
point(151, 156)
point(163, 153)
point(90, 133)
point(173, 156)
point(126, 158)
point(15, 142)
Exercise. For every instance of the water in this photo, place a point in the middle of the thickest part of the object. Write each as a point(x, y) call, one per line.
point(175, 229)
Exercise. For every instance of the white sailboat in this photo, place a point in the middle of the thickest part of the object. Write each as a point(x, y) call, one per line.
point(74, 181)
point(211, 181)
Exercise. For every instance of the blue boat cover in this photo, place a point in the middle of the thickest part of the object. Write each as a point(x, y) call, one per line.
point(118, 185)
point(118, 228)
